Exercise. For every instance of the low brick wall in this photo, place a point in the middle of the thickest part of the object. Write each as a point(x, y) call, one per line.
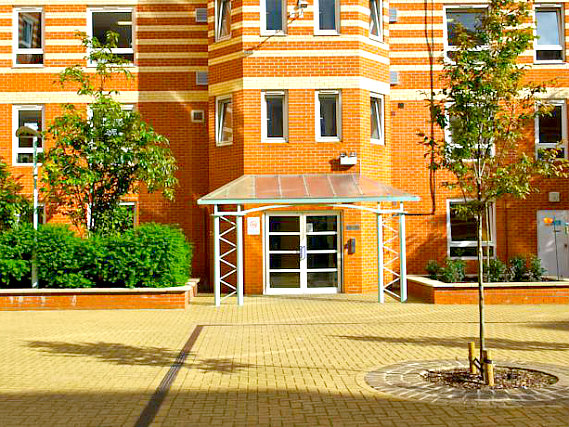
point(98, 299)
point(435, 292)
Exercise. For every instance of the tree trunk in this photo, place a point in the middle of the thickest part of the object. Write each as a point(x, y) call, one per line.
point(480, 253)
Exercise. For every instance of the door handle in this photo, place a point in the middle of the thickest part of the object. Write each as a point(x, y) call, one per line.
point(302, 252)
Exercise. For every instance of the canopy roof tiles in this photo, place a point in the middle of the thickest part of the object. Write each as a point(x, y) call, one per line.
point(305, 189)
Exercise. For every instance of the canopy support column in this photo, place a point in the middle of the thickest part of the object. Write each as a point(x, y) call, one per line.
point(240, 268)
point(380, 266)
point(216, 258)
point(402, 256)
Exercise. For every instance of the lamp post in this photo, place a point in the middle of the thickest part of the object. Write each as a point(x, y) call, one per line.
point(25, 131)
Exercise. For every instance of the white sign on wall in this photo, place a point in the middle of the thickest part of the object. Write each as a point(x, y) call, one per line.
point(253, 226)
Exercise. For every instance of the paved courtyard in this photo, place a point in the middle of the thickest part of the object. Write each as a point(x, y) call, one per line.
point(277, 361)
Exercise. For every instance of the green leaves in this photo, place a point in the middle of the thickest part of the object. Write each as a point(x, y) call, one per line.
point(12, 204)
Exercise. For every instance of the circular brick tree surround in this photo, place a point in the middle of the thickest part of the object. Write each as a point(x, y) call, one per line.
point(404, 380)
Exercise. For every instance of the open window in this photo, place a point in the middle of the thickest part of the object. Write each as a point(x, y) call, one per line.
point(377, 119)
point(222, 19)
point(274, 116)
point(551, 129)
point(224, 120)
point(28, 37)
point(462, 232)
point(550, 34)
point(375, 19)
point(30, 116)
point(457, 19)
point(328, 116)
point(117, 20)
point(273, 17)
point(327, 17)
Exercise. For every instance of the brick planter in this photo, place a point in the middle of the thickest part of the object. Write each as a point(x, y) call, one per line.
point(433, 291)
point(98, 298)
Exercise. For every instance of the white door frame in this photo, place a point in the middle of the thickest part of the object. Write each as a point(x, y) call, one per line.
point(303, 289)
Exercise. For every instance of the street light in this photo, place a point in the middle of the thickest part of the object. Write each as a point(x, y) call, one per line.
point(25, 131)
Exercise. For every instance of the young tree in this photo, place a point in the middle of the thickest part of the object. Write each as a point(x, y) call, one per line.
point(101, 155)
point(12, 204)
point(484, 109)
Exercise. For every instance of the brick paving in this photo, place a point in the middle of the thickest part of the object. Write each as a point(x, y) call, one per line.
point(277, 361)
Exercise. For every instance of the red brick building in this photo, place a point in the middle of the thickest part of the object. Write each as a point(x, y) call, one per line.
point(296, 91)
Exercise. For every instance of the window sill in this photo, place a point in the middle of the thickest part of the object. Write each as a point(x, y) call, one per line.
point(223, 143)
point(326, 33)
point(274, 140)
point(377, 141)
point(377, 39)
point(555, 62)
point(222, 39)
point(269, 33)
point(28, 66)
point(331, 139)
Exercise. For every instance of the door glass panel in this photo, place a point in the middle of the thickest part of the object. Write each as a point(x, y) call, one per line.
point(322, 242)
point(284, 280)
point(321, 223)
point(322, 260)
point(284, 243)
point(284, 223)
point(323, 279)
point(280, 261)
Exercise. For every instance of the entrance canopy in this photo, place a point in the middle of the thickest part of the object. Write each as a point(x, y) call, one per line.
point(282, 191)
point(304, 189)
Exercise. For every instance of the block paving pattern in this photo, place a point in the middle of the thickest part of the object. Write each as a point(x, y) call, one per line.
point(277, 361)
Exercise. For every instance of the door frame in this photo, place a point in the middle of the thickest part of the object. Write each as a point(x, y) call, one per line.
point(302, 291)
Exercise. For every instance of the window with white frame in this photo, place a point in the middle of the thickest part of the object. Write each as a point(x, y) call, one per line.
point(30, 116)
point(551, 129)
point(130, 208)
point(224, 120)
point(117, 20)
point(328, 115)
point(458, 19)
point(550, 34)
point(377, 120)
point(28, 36)
point(29, 217)
point(222, 19)
point(273, 14)
point(326, 16)
point(274, 116)
point(462, 232)
point(376, 19)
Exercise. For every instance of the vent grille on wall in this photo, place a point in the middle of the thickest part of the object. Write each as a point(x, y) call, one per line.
point(201, 14)
point(201, 78)
point(394, 77)
point(392, 15)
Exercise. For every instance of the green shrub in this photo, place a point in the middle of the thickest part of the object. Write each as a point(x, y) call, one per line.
point(518, 269)
point(15, 254)
point(535, 269)
point(433, 269)
point(495, 270)
point(454, 271)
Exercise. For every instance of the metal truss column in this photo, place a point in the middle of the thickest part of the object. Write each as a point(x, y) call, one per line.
point(402, 256)
point(239, 221)
point(380, 278)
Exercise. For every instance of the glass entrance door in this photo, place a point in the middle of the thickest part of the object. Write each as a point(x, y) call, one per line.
point(303, 253)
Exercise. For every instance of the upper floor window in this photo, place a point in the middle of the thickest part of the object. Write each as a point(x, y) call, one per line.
point(551, 129)
point(462, 232)
point(375, 18)
point(273, 14)
point(458, 19)
point(328, 115)
point(224, 120)
point(222, 19)
point(550, 35)
point(377, 121)
point(274, 116)
point(28, 37)
point(117, 20)
point(30, 116)
point(326, 16)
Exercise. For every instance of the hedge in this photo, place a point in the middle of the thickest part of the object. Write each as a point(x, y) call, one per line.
point(151, 255)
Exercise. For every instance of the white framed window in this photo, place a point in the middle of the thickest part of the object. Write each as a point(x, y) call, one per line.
point(328, 116)
point(222, 19)
point(224, 120)
point(28, 37)
point(551, 129)
point(327, 17)
point(376, 19)
point(29, 217)
point(452, 147)
point(31, 116)
point(462, 232)
point(198, 116)
point(131, 208)
point(377, 107)
point(455, 17)
point(101, 20)
point(274, 120)
point(548, 44)
point(273, 17)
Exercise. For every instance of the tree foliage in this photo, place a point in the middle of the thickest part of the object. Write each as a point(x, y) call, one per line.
point(13, 205)
point(101, 155)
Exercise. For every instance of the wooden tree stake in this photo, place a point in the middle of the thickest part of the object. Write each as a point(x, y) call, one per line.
point(471, 357)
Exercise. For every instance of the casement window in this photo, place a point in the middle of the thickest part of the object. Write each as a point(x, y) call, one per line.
point(453, 148)
point(274, 116)
point(377, 119)
point(551, 129)
point(550, 34)
point(273, 17)
point(468, 19)
point(30, 116)
point(462, 232)
point(222, 19)
point(326, 17)
point(29, 217)
point(131, 209)
point(117, 20)
point(28, 37)
point(328, 115)
point(376, 19)
point(224, 120)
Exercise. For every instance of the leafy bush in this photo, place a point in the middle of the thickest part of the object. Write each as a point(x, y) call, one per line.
point(518, 269)
point(535, 269)
point(152, 255)
point(453, 271)
point(495, 271)
point(433, 269)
